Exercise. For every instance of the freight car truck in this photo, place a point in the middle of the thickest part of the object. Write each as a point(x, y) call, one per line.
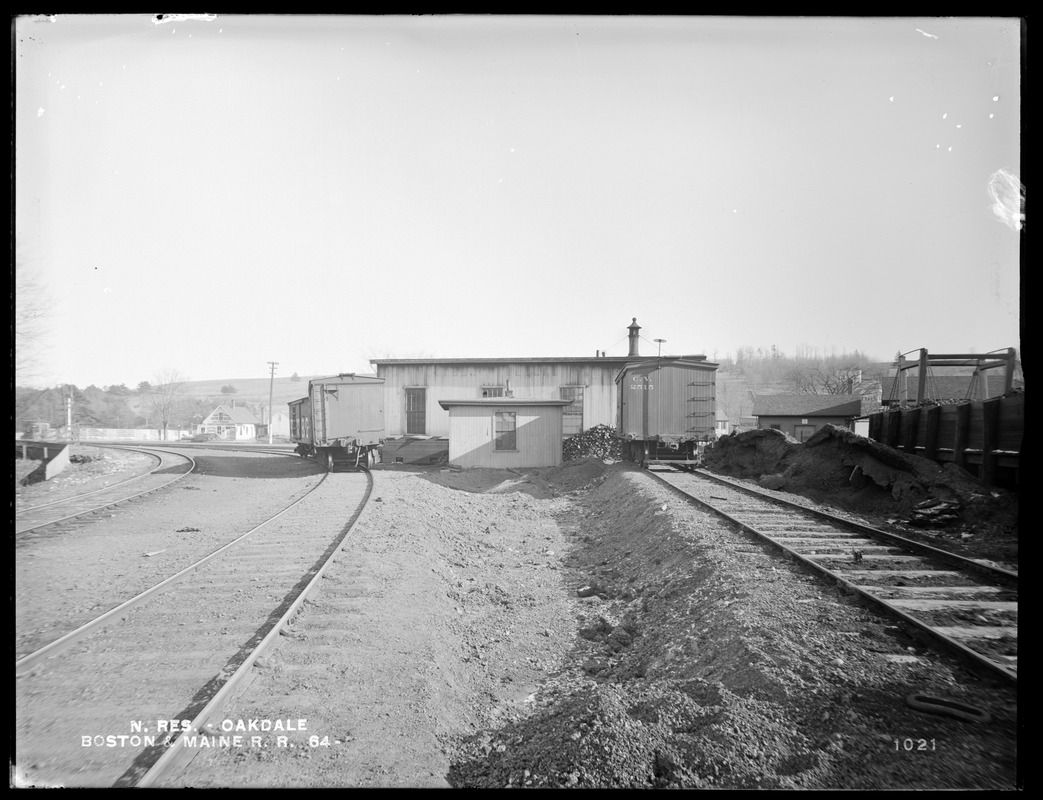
point(666, 408)
point(341, 421)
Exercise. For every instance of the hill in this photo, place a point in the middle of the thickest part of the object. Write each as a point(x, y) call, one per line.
point(249, 390)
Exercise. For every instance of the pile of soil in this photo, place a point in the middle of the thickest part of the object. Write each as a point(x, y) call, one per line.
point(887, 486)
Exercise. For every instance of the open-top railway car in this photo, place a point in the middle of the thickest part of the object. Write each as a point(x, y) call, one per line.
point(341, 421)
point(666, 407)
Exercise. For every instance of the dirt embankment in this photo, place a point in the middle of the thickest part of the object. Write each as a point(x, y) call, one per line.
point(698, 662)
point(888, 486)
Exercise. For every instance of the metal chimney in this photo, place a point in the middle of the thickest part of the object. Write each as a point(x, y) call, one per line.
point(633, 328)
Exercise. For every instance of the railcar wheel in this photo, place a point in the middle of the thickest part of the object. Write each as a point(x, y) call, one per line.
point(371, 459)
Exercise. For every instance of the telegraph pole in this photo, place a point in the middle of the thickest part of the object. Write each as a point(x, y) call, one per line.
point(68, 413)
point(271, 386)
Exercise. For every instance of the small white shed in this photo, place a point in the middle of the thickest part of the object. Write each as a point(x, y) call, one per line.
point(505, 432)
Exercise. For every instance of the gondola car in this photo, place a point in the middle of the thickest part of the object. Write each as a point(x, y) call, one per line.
point(341, 421)
point(666, 408)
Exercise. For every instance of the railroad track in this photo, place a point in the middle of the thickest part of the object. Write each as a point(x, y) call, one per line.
point(174, 655)
point(170, 468)
point(966, 607)
point(277, 450)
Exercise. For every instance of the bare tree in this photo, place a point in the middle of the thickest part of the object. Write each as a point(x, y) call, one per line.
point(31, 311)
point(825, 378)
point(166, 397)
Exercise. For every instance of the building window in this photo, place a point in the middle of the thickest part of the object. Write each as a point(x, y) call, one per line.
point(492, 391)
point(572, 414)
point(416, 411)
point(506, 430)
point(803, 432)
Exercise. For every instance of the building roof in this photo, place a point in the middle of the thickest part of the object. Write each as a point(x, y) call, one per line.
point(654, 362)
point(242, 416)
point(807, 405)
point(502, 401)
point(720, 415)
point(942, 387)
point(347, 377)
point(556, 360)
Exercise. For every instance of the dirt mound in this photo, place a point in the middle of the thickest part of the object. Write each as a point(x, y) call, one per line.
point(542, 483)
point(845, 470)
point(842, 467)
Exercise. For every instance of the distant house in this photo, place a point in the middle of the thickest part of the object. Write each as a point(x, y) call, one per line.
point(801, 415)
point(942, 388)
point(723, 426)
point(226, 422)
point(280, 424)
point(744, 423)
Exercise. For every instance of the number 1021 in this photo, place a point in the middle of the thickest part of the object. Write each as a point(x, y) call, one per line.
point(914, 744)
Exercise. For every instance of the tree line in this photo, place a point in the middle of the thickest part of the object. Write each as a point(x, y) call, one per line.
point(769, 371)
point(161, 405)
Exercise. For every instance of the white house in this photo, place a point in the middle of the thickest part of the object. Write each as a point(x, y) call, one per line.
point(226, 422)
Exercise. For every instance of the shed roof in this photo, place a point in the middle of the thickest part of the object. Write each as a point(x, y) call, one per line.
point(807, 405)
point(502, 401)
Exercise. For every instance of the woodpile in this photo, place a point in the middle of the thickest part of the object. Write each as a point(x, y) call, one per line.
point(934, 513)
point(600, 441)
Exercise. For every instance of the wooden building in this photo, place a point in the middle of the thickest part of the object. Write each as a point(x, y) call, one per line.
point(505, 432)
point(801, 415)
point(414, 387)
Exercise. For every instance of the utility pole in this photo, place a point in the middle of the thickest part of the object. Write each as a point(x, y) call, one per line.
point(271, 387)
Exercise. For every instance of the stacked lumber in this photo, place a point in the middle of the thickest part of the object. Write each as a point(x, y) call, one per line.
point(934, 513)
point(600, 441)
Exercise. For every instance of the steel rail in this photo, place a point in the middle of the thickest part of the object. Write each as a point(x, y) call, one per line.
point(159, 464)
point(993, 572)
point(123, 499)
point(173, 755)
point(966, 654)
point(30, 660)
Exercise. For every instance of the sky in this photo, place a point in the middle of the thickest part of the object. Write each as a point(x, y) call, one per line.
point(212, 194)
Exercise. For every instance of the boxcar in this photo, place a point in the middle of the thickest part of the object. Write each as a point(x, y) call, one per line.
point(341, 421)
point(666, 407)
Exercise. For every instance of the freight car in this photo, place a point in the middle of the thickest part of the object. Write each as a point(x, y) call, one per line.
point(666, 407)
point(341, 421)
